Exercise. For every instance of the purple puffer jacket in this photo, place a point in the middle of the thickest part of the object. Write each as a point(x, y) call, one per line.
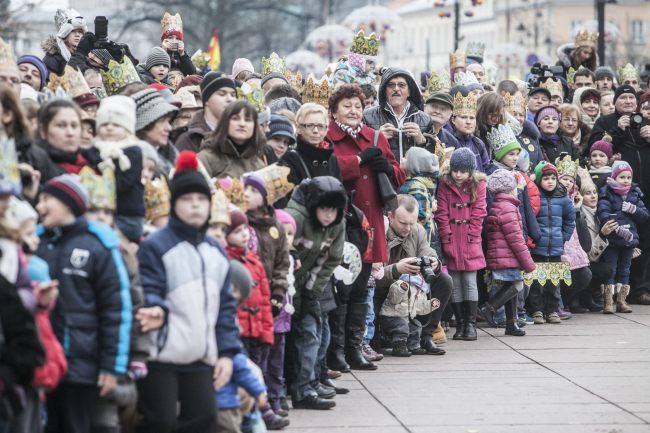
point(282, 323)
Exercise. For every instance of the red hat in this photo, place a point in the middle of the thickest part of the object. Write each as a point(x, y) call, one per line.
point(603, 146)
point(86, 100)
point(237, 218)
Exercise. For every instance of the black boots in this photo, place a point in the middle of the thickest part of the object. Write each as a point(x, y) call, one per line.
point(471, 307)
point(501, 297)
point(335, 351)
point(400, 349)
point(430, 346)
point(355, 327)
point(512, 327)
point(459, 313)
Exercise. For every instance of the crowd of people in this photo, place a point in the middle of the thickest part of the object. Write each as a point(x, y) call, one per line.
point(188, 250)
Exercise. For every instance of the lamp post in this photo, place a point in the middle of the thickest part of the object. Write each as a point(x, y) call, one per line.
point(600, 13)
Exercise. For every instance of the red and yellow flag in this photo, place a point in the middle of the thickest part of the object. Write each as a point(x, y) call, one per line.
point(215, 51)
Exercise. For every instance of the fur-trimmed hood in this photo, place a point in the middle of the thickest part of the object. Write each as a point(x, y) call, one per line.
point(564, 54)
point(50, 45)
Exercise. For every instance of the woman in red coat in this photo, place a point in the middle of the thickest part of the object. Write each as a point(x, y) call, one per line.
point(360, 162)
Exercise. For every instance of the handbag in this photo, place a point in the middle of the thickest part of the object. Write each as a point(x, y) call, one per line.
point(386, 191)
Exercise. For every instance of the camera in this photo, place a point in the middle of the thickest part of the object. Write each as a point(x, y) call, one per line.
point(637, 121)
point(101, 28)
point(540, 72)
point(426, 268)
point(117, 51)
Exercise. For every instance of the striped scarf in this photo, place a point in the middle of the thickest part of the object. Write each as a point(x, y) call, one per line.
point(352, 132)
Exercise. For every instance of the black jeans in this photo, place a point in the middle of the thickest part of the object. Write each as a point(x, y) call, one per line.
point(164, 387)
point(70, 408)
point(580, 279)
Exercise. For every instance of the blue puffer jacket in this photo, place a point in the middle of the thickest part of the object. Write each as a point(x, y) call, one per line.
point(609, 202)
point(557, 220)
point(92, 317)
point(242, 376)
point(477, 146)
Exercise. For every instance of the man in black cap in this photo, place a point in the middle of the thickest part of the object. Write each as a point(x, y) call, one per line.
point(439, 106)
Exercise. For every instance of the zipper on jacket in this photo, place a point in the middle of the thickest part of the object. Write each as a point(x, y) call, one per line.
point(550, 221)
point(205, 305)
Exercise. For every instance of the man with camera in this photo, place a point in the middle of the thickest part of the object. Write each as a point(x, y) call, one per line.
point(410, 253)
point(95, 50)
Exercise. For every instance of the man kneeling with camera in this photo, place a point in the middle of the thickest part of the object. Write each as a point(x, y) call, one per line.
point(413, 293)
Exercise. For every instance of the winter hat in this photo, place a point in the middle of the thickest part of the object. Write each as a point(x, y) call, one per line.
point(256, 181)
point(619, 167)
point(603, 72)
point(280, 126)
point(625, 88)
point(420, 161)
point(240, 279)
point(68, 189)
point(285, 218)
point(214, 81)
point(86, 100)
point(462, 159)
point(589, 93)
point(242, 64)
point(21, 211)
point(157, 56)
point(442, 98)
point(117, 109)
point(38, 63)
point(542, 169)
point(272, 75)
point(190, 80)
point(549, 110)
point(187, 178)
point(237, 218)
point(501, 181)
point(284, 103)
point(150, 107)
point(603, 146)
point(103, 55)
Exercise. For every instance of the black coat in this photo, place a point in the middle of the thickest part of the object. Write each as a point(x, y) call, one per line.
point(553, 149)
point(34, 155)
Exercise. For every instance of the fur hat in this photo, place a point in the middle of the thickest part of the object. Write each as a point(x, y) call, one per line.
point(619, 167)
point(463, 159)
point(420, 161)
point(117, 109)
point(603, 146)
point(501, 181)
point(68, 189)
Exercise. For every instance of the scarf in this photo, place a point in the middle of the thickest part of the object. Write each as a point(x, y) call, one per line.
point(555, 138)
point(352, 132)
point(617, 187)
point(111, 150)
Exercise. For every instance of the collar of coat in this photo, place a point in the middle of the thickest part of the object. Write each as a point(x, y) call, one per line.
point(335, 133)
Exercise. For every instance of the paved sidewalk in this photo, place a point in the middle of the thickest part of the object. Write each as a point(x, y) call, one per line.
point(589, 374)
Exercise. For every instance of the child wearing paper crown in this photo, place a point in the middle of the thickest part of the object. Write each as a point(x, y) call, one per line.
point(621, 200)
point(118, 149)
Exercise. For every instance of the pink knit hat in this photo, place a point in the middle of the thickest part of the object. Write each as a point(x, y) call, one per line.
point(619, 167)
point(285, 218)
point(603, 146)
point(242, 64)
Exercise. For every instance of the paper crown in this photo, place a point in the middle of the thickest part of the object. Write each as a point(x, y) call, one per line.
point(157, 199)
point(464, 105)
point(567, 166)
point(233, 189)
point(275, 178)
point(438, 82)
point(9, 173)
point(368, 46)
point(170, 22)
point(586, 182)
point(220, 209)
point(200, 59)
point(585, 38)
point(47, 95)
point(295, 80)
point(63, 16)
point(514, 103)
point(274, 63)
point(457, 59)
point(627, 73)
point(554, 86)
point(7, 54)
point(119, 75)
point(101, 188)
point(475, 50)
point(253, 94)
point(465, 79)
point(72, 81)
point(318, 93)
point(500, 138)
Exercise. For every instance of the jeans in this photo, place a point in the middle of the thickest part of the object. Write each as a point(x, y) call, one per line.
point(306, 338)
point(620, 259)
point(465, 286)
point(370, 318)
point(274, 377)
point(321, 365)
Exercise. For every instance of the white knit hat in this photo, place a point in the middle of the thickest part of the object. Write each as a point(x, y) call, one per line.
point(119, 110)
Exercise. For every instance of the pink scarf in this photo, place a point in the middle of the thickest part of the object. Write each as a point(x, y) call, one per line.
point(617, 187)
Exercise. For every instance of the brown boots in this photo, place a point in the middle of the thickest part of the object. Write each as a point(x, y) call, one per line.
point(621, 304)
point(608, 299)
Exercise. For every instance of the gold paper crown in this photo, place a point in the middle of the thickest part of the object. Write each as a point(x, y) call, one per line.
point(274, 63)
point(567, 166)
point(7, 54)
point(275, 179)
point(585, 38)
point(457, 59)
point(318, 93)
point(514, 103)
point(627, 72)
point(368, 46)
point(47, 95)
point(554, 86)
point(220, 212)
point(233, 189)
point(157, 199)
point(171, 22)
point(464, 105)
point(438, 82)
point(475, 50)
point(9, 173)
point(101, 188)
point(253, 94)
point(295, 80)
point(570, 75)
point(119, 75)
point(200, 59)
point(72, 81)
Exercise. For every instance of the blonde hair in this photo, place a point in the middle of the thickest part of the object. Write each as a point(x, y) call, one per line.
point(310, 108)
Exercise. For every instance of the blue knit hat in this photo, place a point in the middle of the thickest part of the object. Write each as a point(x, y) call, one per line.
point(280, 126)
point(38, 63)
point(462, 159)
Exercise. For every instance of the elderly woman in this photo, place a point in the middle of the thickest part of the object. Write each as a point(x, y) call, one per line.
point(572, 127)
point(360, 162)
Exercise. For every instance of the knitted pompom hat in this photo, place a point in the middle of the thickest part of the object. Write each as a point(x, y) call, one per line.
point(463, 159)
point(501, 181)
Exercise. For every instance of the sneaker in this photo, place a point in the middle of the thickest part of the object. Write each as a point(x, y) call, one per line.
point(525, 318)
point(370, 354)
point(563, 314)
point(553, 318)
point(538, 318)
point(284, 404)
point(521, 322)
point(418, 351)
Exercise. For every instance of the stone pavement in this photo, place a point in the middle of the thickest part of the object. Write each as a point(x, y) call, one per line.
point(589, 374)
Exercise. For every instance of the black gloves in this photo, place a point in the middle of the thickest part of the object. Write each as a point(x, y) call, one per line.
point(381, 165)
point(309, 305)
point(369, 154)
point(276, 304)
point(86, 44)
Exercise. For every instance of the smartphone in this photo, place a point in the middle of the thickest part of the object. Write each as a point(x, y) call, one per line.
point(173, 46)
point(612, 217)
point(101, 27)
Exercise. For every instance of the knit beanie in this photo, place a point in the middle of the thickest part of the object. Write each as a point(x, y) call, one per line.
point(272, 75)
point(68, 189)
point(280, 126)
point(420, 161)
point(462, 159)
point(603, 72)
point(241, 65)
point(603, 146)
point(625, 88)
point(38, 63)
point(214, 81)
point(117, 109)
point(549, 110)
point(156, 57)
point(285, 218)
point(21, 211)
point(544, 168)
point(256, 181)
point(501, 181)
point(237, 218)
point(187, 178)
point(240, 279)
point(150, 107)
point(619, 167)
point(589, 93)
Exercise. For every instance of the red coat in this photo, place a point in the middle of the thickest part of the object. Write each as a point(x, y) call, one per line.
point(363, 180)
point(506, 248)
point(254, 314)
point(460, 224)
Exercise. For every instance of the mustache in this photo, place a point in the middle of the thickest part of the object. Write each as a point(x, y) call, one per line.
point(396, 94)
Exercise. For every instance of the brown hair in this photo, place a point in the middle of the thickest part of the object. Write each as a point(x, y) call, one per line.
point(10, 103)
point(507, 86)
point(48, 111)
point(590, 63)
point(219, 137)
point(487, 104)
point(346, 91)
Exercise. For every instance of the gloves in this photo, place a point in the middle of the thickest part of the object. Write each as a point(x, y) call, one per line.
point(276, 304)
point(625, 233)
point(369, 154)
point(137, 370)
point(629, 207)
point(381, 165)
point(310, 306)
point(86, 43)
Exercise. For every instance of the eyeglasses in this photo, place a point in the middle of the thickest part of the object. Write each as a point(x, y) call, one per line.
point(317, 126)
point(396, 85)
